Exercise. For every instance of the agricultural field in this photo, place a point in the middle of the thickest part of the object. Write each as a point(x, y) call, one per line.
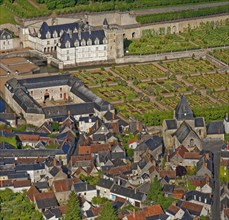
point(212, 81)
point(163, 87)
point(159, 44)
point(222, 54)
point(209, 35)
point(189, 66)
point(115, 93)
point(139, 72)
point(91, 78)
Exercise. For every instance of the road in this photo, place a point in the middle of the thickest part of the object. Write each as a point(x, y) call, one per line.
point(215, 147)
point(175, 8)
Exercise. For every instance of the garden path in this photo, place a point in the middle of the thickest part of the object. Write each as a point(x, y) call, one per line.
point(130, 84)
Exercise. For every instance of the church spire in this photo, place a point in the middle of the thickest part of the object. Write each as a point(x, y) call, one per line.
point(183, 110)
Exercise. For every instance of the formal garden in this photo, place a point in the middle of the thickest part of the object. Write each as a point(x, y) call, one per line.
point(210, 81)
point(189, 66)
point(116, 93)
point(221, 54)
point(139, 72)
point(221, 96)
point(207, 35)
point(95, 77)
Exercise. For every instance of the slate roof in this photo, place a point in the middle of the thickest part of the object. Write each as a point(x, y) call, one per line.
point(46, 200)
point(216, 127)
point(129, 193)
point(52, 212)
point(109, 116)
point(28, 104)
point(80, 36)
point(29, 153)
point(199, 122)
point(105, 183)
point(45, 28)
point(26, 167)
point(183, 131)
point(152, 143)
point(198, 196)
point(82, 187)
point(171, 124)
point(4, 34)
point(183, 110)
point(5, 145)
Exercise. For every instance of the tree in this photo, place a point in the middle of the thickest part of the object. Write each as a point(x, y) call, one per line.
point(73, 208)
point(107, 212)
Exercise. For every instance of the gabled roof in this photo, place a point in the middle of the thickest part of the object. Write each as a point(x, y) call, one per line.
point(183, 110)
point(126, 192)
point(171, 124)
point(216, 127)
point(105, 183)
point(193, 208)
point(199, 122)
point(152, 143)
point(46, 200)
point(83, 187)
point(183, 131)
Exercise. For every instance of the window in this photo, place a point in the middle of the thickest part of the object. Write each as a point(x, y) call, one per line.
point(191, 142)
point(68, 58)
point(67, 51)
point(61, 95)
point(61, 89)
point(54, 41)
point(48, 42)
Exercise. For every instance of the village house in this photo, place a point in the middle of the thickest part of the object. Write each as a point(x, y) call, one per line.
point(6, 40)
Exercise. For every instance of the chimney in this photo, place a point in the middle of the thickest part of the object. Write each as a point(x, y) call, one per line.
point(54, 162)
point(69, 113)
point(154, 163)
point(86, 187)
point(97, 124)
point(79, 33)
point(113, 116)
point(134, 212)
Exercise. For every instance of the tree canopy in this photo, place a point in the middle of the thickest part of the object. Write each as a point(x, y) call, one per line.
point(107, 212)
point(73, 208)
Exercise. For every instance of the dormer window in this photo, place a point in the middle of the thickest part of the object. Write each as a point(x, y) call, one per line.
point(4, 37)
point(39, 34)
point(61, 32)
point(96, 41)
point(76, 44)
point(8, 37)
point(75, 30)
point(83, 42)
point(55, 34)
point(67, 44)
point(104, 40)
point(89, 42)
point(48, 35)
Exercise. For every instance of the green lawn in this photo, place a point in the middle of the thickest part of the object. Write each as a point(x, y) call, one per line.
point(11, 141)
point(224, 174)
point(6, 16)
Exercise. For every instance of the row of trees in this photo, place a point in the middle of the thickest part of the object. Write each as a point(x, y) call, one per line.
point(145, 19)
point(109, 5)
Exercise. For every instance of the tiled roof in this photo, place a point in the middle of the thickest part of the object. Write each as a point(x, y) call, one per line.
point(173, 209)
point(193, 208)
point(171, 174)
point(171, 124)
point(105, 183)
point(46, 200)
point(199, 122)
point(216, 127)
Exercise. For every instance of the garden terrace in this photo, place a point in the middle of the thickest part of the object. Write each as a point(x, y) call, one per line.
point(221, 54)
point(139, 72)
point(91, 78)
point(208, 35)
point(152, 44)
point(115, 93)
point(135, 109)
point(221, 96)
point(189, 66)
point(163, 87)
point(212, 81)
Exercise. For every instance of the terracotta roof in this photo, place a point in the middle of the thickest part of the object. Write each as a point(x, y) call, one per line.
point(224, 162)
point(226, 212)
point(181, 150)
point(64, 185)
point(44, 195)
point(173, 209)
point(178, 193)
point(149, 211)
point(192, 206)
point(32, 192)
point(171, 174)
point(94, 148)
point(30, 137)
point(191, 155)
point(119, 170)
point(78, 158)
point(30, 160)
point(22, 183)
point(133, 140)
point(6, 183)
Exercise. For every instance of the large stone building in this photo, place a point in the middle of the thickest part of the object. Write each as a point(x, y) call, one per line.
point(46, 98)
point(6, 40)
point(75, 43)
